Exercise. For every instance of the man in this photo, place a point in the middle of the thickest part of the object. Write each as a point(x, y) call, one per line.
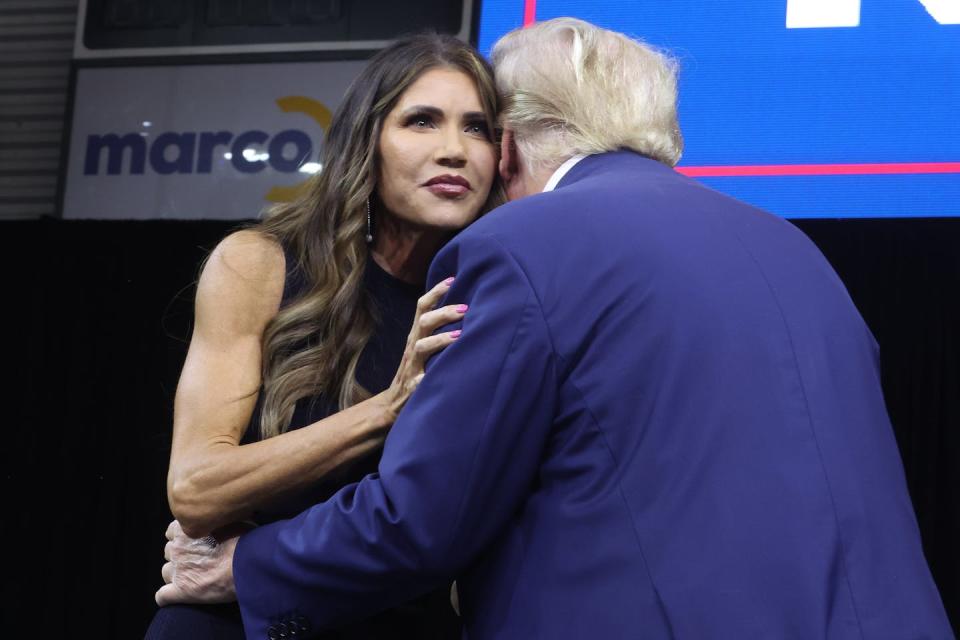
point(663, 418)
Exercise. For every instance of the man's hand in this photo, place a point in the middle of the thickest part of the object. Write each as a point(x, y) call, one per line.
point(198, 571)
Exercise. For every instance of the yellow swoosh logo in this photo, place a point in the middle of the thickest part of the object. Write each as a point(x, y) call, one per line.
point(322, 116)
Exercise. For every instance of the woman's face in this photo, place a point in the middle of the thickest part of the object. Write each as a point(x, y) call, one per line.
point(436, 160)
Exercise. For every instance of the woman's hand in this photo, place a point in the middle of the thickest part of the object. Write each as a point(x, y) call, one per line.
point(421, 344)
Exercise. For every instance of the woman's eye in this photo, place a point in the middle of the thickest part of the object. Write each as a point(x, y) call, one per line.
point(479, 128)
point(419, 122)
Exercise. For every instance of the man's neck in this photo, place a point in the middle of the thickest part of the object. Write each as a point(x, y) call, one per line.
point(542, 179)
point(529, 182)
point(539, 179)
point(562, 170)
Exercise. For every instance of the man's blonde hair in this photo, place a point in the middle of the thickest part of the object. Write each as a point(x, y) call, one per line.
point(570, 87)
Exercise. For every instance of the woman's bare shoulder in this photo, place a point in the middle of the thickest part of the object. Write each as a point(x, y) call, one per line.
point(250, 254)
point(242, 281)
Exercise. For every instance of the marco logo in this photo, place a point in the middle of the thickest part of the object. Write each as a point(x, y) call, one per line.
point(189, 152)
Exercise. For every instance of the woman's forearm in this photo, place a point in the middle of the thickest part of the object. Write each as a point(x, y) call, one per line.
point(223, 482)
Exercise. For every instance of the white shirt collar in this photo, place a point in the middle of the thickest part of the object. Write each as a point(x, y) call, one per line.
point(562, 171)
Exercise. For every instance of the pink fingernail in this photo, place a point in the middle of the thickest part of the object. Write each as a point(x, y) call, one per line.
point(448, 281)
point(455, 334)
point(462, 308)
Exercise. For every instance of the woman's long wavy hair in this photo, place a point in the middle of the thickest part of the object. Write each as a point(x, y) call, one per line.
point(313, 344)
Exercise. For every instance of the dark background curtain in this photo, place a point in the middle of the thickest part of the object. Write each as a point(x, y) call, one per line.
point(98, 317)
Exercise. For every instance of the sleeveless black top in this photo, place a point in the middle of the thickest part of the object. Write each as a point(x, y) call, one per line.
point(429, 617)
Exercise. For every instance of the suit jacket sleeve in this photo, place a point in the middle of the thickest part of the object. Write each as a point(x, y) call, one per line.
point(456, 466)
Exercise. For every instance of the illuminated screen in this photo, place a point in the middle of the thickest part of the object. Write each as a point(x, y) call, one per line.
point(806, 108)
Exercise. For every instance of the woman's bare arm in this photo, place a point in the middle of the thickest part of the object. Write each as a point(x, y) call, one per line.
point(213, 480)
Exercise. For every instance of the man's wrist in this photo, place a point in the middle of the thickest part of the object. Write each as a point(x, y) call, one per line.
point(229, 586)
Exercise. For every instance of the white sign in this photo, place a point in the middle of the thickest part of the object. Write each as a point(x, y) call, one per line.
point(805, 14)
point(198, 141)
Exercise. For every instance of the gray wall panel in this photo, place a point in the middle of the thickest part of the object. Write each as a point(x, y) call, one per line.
point(36, 44)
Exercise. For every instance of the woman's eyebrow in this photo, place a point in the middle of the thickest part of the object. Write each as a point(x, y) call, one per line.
point(437, 112)
point(422, 109)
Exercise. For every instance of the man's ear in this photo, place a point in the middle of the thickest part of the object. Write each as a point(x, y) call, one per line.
point(508, 157)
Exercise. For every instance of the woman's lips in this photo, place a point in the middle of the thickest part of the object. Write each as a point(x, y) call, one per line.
point(447, 186)
point(447, 189)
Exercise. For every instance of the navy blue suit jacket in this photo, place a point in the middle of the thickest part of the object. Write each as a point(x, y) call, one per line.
point(663, 420)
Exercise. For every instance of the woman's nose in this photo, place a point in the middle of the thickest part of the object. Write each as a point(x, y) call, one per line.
point(451, 151)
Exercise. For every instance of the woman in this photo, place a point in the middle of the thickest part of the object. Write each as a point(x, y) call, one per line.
point(301, 321)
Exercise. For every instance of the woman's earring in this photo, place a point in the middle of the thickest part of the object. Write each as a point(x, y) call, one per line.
point(369, 223)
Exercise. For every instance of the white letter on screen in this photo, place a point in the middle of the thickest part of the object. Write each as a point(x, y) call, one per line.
point(943, 11)
point(805, 14)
